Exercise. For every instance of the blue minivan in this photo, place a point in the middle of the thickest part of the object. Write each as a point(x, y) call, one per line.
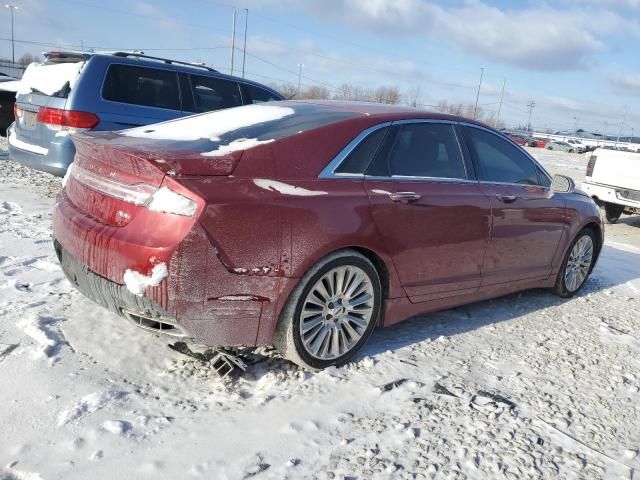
point(74, 91)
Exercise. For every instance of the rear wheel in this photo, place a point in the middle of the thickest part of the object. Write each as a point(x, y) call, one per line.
point(611, 212)
point(577, 264)
point(331, 313)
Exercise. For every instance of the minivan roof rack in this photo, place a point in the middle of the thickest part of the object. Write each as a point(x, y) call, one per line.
point(165, 60)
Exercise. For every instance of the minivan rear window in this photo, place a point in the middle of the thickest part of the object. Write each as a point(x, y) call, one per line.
point(151, 87)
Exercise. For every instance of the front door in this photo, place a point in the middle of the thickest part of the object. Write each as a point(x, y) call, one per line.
point(527, 219)
point(433, 217)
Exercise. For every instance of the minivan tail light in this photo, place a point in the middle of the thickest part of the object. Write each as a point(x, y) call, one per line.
point(17, 111)
point(591, 164)
point(138, 193)
point(67, 118)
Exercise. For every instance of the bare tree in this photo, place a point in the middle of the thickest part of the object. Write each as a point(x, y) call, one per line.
point(387, 95)
point(28, 59)
point(316, 92)
point(413, 96)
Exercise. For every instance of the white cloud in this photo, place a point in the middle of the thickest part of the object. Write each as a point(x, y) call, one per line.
point(626, 83)
point(538, 38)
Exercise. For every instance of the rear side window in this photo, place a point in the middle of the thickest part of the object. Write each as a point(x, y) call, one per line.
point(499, 160)
point(259, 95)
point(150, 87)
point(358, 160)
point(211, 94)
point(422, 150)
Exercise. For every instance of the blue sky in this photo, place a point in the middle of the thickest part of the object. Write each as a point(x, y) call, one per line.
point(578, 60)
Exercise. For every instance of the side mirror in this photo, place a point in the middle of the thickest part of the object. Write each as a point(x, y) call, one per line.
point(563, 184)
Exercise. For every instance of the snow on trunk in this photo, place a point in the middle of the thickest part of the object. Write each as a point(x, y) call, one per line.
point(212, 125)
point(50, 78)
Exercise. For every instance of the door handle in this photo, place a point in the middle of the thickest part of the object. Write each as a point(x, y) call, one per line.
point(404, 197)
point(506, 198)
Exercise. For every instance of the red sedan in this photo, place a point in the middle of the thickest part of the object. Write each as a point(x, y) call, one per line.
point(307, 225)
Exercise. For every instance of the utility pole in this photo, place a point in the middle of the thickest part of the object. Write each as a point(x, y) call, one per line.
point(244, 49)
point(300, 65)
point(575, 126)
point(13, 47)
point(624, 119)
point(504, 82)
point(233, 40)
point(530, 105)
point(475, 108)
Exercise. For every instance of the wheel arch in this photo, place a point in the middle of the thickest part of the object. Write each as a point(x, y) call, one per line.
point(598, 233)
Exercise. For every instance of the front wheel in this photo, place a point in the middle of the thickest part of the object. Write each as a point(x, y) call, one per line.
point(331, 313)
point(577, 264)
point(611, 212)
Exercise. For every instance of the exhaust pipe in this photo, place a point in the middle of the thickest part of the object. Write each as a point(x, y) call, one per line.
point(155, 324)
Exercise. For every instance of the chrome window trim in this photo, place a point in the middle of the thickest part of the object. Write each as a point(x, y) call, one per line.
point(330, 170)
point(404, 178)
point(504, 137)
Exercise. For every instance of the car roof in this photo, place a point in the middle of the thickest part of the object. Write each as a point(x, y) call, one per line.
point(385, 111)
point(150, 61)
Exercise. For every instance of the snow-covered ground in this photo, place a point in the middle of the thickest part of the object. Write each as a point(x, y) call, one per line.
point(526, 386)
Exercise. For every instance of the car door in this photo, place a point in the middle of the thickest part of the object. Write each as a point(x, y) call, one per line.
point(135, 95)
point(527, 219)
point(430, 211)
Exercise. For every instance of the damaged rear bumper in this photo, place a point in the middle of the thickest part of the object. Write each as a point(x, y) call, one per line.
point(139, 310)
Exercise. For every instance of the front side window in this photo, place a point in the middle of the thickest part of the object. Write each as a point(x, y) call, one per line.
point(211, 94)
point(424, 150)
point(150, 87)
point(500, 161)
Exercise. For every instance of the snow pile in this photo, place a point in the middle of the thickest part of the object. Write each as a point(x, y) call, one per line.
point(165, 200)
point(211, 125)
point(137, 283)
point(49, 79)
point(236, 145)
point(286, 189)
point(89, 404)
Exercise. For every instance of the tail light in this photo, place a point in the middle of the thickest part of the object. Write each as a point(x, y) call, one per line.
point(591, 165)
point(67, 118)
point(156, 199)
point(17, 111)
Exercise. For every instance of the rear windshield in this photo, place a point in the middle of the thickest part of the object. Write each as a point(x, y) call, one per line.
point(150, 87)
point(51, 79)
point(241, 127)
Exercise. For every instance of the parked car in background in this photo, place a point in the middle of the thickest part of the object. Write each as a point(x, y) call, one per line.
point(613, 181)
point(540, 142)
point(75, 91)
point(306, 225)
point(519, 139)
point(8, 88)
point(563, 146)
point(577, 145)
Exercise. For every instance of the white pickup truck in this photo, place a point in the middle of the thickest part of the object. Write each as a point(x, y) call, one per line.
point(613, 181)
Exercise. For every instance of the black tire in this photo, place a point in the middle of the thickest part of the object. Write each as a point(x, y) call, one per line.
point(560, 288)
point(570, 150)
point(611, 213)
point(287, 338)
point(549, 147)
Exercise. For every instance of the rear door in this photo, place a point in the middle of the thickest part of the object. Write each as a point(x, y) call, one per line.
point(429, 209)
point(133, 95)
point(527, 220)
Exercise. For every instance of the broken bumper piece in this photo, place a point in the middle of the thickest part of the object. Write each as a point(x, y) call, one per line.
point(139, 310)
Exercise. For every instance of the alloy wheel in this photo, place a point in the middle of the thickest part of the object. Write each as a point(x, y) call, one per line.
point(336, 312)
point(579, 263)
